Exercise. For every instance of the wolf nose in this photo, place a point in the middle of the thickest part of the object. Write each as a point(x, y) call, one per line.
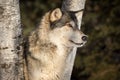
point(84, 38)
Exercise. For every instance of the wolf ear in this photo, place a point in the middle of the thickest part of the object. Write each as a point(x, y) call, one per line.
point(55, 15)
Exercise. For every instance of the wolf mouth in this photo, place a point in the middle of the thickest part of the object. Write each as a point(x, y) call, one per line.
point(76, 43)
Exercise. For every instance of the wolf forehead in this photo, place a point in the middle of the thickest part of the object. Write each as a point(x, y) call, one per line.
point(63, 19)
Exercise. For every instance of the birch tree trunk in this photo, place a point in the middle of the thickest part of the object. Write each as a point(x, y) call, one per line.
point(10, 41)
point(75, 7)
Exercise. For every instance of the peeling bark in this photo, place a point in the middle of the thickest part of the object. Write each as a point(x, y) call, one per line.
point(11, 67)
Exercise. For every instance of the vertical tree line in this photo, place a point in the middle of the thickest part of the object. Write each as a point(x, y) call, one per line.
point(10, 41)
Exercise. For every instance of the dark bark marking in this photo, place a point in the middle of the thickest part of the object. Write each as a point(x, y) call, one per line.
point(18, 47)
point(1, 11)
point(5, 66)
point(2, 48)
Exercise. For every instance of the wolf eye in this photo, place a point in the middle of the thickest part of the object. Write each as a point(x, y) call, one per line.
point(69, 25)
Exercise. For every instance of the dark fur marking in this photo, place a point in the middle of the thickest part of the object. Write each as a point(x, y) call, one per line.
point(73, 17)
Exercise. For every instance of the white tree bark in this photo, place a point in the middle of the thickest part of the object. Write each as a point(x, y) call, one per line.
point(75, 6)
point(10, 41)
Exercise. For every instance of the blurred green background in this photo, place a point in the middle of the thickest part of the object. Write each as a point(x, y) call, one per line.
point(100, 58)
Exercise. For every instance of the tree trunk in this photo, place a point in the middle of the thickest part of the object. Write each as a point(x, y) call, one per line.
point(76, 7)
point(11, 67)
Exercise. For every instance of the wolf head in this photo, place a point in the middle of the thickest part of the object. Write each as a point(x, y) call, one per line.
point(60, 29)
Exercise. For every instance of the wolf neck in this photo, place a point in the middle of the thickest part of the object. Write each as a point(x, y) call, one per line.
point(51, 62)
point(60, 64)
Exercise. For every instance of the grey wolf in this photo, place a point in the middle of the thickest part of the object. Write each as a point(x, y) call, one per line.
point(49, 46)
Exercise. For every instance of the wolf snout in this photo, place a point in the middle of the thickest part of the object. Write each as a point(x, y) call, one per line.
point(84, 38)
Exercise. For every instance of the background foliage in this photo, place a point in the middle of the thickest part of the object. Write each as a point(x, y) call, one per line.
point(100, 58)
